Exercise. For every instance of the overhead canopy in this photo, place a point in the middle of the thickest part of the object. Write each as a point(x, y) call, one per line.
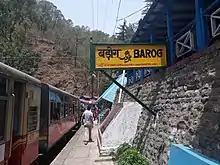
point(110, 93)
point(154, 22)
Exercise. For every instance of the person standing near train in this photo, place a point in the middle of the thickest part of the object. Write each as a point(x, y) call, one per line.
point(88, 122)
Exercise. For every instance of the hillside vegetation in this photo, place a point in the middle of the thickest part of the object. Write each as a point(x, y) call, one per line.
point(37, 39)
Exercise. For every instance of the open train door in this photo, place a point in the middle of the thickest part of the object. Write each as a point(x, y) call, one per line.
point(6, 100)
point(25, 135)
point(17, 137)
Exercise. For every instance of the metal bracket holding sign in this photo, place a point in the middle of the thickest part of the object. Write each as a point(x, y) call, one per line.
point(127, 56)
point(130, 94)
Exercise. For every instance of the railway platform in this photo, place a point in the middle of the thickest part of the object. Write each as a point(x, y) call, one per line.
point(77, 153)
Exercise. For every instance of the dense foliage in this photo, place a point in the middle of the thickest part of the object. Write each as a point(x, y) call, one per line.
point(24, 22)
point(122, 148)
point(128, 155)
point(17, 18)
point(132, 157)
point(18, 57)
point(24, 19)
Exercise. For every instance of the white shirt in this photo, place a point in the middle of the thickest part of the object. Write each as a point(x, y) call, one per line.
point(88, 116)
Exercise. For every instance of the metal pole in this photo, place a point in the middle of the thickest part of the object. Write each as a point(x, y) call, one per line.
point(92, 82)
point(130, 94)
point(98, 82)
point(123, 76)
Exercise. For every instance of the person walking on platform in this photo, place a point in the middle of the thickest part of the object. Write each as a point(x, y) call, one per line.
point(88, 123)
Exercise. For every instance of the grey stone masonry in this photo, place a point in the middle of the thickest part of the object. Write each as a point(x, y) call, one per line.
point(186, 98)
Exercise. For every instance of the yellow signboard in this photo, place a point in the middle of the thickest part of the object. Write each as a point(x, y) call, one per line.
point(129, 56)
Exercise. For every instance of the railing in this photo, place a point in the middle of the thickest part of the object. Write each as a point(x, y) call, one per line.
point(185, 44)
point(103, 115)
point(215, 25)
point(147, 72)
point(115, 110)
point(138, 75)
point(112, 114)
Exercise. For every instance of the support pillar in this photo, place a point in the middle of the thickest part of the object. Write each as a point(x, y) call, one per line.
point(128, 76)
point(134, 76)
point(142, 75)
point(171, 55)
point(152, 40)
point(152, 36)
point(201, 27)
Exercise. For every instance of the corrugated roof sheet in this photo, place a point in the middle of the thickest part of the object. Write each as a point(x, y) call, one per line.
point(110, 93)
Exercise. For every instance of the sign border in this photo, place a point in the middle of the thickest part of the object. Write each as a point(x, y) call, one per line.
point(94, 44)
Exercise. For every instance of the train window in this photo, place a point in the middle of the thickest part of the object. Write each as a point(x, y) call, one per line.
point(32, 118)
point(70, 109)
point(51, 111)
point(31, 95)
point(3, 105)
point(61, 97)
point(55, 111)
point(66, 110)
point(64, 106)
point(59, 107)
point(3, 86)
point(73, 108)
point(61, 111)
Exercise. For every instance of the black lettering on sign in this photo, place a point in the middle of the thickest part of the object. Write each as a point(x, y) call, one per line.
point(142, 54)
point(154, 53)
point(147, 53)
point(159, 52)
point(136, 53)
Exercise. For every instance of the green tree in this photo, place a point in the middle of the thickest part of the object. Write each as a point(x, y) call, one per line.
point(25, 19)
point(126, 32)
point(22, 59)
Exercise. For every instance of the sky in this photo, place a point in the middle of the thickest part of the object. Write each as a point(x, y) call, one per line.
point(102, 15)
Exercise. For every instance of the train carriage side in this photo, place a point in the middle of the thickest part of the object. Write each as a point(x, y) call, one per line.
point(19, 116)
point(59, 114)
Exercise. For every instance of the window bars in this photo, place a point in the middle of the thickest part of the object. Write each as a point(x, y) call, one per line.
point(130, 80)
point(185, 44)
point(215, 22)
point(147, 72)
point(138, 75)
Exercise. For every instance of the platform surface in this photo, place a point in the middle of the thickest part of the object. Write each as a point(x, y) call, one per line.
point(77, 153)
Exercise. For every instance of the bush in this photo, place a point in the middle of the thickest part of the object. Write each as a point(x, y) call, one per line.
point(122, 148)
point(132, 157)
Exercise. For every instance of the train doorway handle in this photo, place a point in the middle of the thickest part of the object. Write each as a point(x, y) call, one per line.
point(26, 137)
point(12, 122)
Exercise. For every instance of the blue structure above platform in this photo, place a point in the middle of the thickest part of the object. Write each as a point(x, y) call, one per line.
point(156, 18)
point(187, 26)
point(110, 93)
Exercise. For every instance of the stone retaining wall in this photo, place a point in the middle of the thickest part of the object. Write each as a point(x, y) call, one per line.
point(123, 127)
point(187, 99)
